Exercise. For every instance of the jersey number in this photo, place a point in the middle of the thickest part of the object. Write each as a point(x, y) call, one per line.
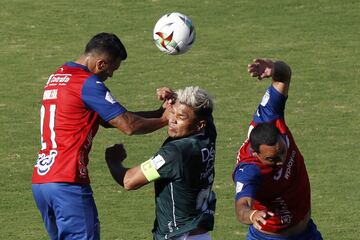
point(51, 124)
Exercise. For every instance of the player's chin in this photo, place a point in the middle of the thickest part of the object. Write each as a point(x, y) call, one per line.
point(103, 77)
point(171, 132)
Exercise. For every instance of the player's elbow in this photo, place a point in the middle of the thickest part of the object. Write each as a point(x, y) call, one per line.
point(124, 124)
point(238, 216)
point(240, 219)
point(128, 131)
point(242, 210)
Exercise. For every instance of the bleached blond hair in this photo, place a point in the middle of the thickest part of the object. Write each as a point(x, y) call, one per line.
point(196, 98)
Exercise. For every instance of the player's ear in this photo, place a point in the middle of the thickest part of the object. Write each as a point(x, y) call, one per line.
point(201, 125)
point(101, 64)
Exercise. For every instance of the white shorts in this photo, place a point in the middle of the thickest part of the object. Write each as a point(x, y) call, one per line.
point(204, 236)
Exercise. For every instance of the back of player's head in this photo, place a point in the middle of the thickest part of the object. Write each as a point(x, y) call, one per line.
point(264, 133)
point(198, 99)
point(107, 43)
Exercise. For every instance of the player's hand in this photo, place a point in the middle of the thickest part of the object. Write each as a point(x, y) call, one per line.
point(259, 218)
point(167, 95)
point(261, 68)
point(115, 154)
point(167, 111)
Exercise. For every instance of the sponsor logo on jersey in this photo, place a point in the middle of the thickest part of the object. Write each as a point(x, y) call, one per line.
point(265, 98)
point(158, 161)
point(58, 79)
point(290, 164)
point(282, 209)
point(110, 98)
point(44, 162)
point(208, 157)
point(239, 187)
point(50, 94)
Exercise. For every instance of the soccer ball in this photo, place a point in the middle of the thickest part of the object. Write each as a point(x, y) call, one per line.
point(174, 33)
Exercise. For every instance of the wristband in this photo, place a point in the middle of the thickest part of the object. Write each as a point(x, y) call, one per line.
point(252, 214)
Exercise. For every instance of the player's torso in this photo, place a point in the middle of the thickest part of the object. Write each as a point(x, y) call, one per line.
point(67, 128)
point(284, 190)
point(181, 201)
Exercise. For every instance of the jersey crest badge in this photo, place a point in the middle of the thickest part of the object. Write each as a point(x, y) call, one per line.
point(110, 98)
point(158, 161)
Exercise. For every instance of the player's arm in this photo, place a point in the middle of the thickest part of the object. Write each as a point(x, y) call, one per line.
point(246, 179)
point(105, 124)
point(272, 105)
point(98, 98)
point(130, 123)
point(246, 215)
point(279, 71)
point(151, 114)
point(147, 121)
point(129, 178)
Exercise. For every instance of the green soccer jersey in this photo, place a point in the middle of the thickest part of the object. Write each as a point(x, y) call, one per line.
point(184, 196)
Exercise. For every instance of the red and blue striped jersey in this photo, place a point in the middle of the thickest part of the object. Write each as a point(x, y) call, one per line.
point(285, 190)
point(73, 100)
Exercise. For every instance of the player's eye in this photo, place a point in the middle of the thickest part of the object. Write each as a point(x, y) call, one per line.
point(282, 151)
point(273, 159)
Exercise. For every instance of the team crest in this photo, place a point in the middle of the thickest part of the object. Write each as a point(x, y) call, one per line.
point(44, 162)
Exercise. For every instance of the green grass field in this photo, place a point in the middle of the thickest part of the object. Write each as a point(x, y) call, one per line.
point(319, 39)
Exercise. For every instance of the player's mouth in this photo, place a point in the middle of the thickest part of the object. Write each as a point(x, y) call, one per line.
point(172, 126)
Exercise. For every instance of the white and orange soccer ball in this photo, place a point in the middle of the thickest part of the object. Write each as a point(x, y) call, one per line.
point(174, 33)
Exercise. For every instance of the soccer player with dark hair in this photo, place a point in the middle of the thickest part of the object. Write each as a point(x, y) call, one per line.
point(75, 102)
point(182, 170)
point(272, 184)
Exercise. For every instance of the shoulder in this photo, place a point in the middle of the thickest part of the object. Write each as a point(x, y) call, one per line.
point(195, 142)
point(246, 170)
point(76, 70)
point(176, 149)
point(183, 143)
point(94, 81)
point(177, 146)
point(94, 86)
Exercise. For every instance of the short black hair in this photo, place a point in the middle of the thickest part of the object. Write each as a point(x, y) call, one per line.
point(107, 43)
point(264, 133)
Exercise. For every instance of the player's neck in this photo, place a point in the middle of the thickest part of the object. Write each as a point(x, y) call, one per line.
point(86, 61)
point(82, 60)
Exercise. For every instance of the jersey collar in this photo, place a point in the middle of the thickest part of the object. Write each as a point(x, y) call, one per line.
point(74, 64)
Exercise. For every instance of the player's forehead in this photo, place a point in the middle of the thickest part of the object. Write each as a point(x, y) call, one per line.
point(183, 109)
point(272, 150)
